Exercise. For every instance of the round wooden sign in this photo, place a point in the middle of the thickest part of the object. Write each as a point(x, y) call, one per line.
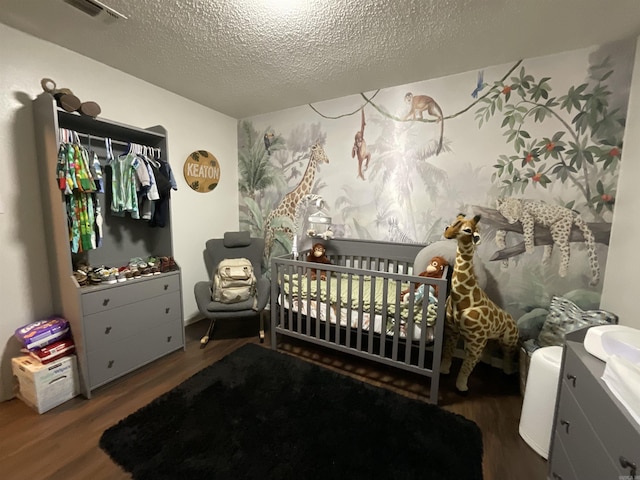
point(202, 171)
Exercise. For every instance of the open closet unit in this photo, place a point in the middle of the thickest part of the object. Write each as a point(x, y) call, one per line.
point(116, 327)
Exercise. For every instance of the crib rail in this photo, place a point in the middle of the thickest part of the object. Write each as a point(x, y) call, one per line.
point(348, 323)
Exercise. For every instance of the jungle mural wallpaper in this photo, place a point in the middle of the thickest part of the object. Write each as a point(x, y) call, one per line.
point(533, 146)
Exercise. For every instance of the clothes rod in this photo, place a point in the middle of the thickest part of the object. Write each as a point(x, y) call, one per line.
point(98, 138)
point(90, 137)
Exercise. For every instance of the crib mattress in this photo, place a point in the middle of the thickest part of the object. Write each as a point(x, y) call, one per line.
point(377, 297)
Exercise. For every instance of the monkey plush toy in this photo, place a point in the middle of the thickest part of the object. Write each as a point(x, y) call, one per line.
point(435, 269)
point(318, 255)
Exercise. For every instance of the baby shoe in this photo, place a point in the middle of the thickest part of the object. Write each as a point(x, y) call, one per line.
point(154, 264)
point(81, 277)
point(108, 275)
point(141, 266)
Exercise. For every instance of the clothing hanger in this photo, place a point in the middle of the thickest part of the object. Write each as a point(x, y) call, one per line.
point(109, 148)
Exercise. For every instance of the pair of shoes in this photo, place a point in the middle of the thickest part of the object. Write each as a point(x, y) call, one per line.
point(81, 277)
point(124, 274)
point(154, 264)
point(107, 274)
point(167, 264)
point(94, 277)
point(137, 264)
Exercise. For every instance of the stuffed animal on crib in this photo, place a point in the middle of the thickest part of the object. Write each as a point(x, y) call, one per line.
point(419, 295)
point(435, 269)
point(318, 254)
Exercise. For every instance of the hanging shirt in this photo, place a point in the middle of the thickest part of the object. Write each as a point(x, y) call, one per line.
point(123, 185)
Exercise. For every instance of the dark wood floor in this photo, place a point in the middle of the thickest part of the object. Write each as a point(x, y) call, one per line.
point(63, 443)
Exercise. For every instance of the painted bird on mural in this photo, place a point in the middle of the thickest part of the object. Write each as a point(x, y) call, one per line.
point(479, 84)
point(268, 137)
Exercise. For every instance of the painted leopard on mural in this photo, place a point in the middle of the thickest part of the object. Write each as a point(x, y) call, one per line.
point(559, 220)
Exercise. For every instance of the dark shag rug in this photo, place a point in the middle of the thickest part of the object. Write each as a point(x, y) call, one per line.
point(260, 414)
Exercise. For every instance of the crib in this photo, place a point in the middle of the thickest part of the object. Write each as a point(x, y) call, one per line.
point(369, 306)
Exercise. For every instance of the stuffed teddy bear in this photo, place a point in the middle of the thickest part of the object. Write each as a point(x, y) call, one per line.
point(435, 269)
point(318, 254)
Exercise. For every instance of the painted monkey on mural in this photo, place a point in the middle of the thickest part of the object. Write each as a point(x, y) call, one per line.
point(360, 149)
point(420, 103)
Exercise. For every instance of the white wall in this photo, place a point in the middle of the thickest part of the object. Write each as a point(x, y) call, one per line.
point(25, 60)
point(620, 288)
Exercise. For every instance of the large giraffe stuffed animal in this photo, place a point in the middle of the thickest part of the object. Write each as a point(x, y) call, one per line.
point(287, 206)
point(470, 312)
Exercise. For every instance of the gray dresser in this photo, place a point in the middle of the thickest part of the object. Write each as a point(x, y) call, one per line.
point(119, 327)
point(594, 437)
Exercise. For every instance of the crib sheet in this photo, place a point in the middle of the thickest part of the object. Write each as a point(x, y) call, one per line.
point(378, 306)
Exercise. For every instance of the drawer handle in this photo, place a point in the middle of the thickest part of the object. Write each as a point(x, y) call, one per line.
point(624, 463)
point(556, 476)
point(169, 339)
point(105, 302)
point(572, 378)
point(167, 310)
point(166, 286)
point(107, 330)
point(566, 425)
point(110, 364)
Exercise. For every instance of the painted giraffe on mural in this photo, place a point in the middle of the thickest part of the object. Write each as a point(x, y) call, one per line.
point(287, 206)
point(470, 312)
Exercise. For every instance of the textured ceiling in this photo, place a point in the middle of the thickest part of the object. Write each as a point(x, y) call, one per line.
point(247, 57)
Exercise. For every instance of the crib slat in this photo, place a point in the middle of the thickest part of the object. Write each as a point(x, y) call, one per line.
point(360, 314)
point(349, 307)
point(410, 323)
point(396, 325)
point(338, 308)
point(423, 332)
point(326, 306)
point(383, 330)
point(372, 314)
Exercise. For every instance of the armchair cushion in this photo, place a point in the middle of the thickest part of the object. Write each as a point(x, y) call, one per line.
point(219, 307)
point(237, 239)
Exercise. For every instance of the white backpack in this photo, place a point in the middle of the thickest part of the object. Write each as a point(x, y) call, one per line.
point(233, 281)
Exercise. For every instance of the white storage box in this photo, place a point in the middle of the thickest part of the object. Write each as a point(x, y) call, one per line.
point(44, 386)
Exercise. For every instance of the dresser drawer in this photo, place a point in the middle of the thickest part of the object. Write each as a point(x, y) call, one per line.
point(561, 468)
point(117, 359)
point(580, 441)
point(128, 292)
point(607, 416)
point(113, 325)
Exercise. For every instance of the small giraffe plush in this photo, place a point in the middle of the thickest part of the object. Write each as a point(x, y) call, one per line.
point(469, 311)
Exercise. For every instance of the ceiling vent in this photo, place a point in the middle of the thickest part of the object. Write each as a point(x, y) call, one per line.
point(97, 10)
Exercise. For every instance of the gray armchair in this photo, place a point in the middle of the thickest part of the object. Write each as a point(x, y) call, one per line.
point(233, 245)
